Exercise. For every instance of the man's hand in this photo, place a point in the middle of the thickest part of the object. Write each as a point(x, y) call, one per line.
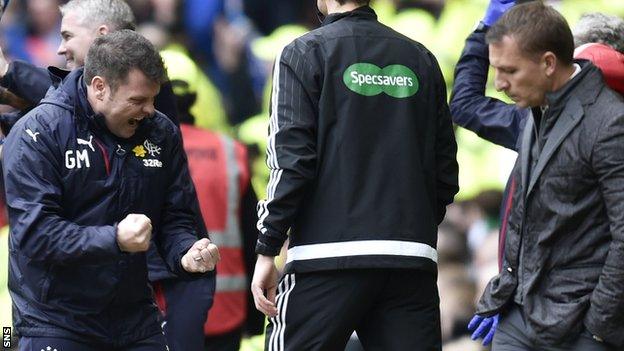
point(265, 280)
point(201, 257)
point(8, 98)
point(483, 327)
point(495, 10)
point(134, 233)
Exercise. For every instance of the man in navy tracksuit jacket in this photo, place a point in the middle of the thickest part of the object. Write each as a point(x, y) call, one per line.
point(90, 174)
point(362, 158)
point(82, 22)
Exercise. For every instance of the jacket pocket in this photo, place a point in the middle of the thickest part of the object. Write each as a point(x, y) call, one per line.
point(45, 286)
point(572, 284)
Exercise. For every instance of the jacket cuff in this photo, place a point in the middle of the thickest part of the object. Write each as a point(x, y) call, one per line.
point(600, 330)
point(112, 237)
point(268, 246)
point(7, 80)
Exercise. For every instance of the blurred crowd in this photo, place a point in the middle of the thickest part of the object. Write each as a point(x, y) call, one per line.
point(234, 43)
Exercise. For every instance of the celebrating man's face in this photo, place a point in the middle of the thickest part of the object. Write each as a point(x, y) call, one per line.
point(126, 106)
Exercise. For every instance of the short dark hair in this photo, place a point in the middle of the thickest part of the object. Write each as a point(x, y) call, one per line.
point(537, 28)
point(114, 55)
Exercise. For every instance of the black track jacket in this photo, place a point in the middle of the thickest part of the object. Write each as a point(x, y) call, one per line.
point(361, 150)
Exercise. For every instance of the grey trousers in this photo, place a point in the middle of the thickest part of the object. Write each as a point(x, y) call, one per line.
point(511, 336)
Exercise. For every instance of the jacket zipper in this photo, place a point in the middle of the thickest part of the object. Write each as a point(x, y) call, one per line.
point(105, 155)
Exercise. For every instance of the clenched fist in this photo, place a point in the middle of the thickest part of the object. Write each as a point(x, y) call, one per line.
point(134, 233)
point(201, 257)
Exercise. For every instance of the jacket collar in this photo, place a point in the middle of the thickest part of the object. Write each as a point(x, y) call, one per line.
point(364, 12)
point(586, 92)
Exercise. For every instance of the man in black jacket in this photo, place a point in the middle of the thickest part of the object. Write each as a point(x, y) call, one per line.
point(362, 158)
point(561, 285)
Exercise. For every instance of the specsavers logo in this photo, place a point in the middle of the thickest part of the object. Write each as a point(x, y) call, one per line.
point(369, 80)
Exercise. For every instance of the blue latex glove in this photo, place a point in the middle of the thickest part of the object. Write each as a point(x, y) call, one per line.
point(495, 10)
point(483, 327)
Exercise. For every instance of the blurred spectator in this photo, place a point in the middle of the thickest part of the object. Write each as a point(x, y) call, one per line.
point(207, 107)
point(434, 7)
point(486, 208)
point(220, 170)
point(43, 38)
point(452, 248)
point(160, 12)
point(600, 28)
point(485, 261)
point(268, 15)
point(219, 35)
point(457, 291)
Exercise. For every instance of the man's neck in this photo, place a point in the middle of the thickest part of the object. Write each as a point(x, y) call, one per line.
point(562, 77)
point(335, 7)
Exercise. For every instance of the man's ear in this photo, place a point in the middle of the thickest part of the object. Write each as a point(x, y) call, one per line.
point(99, 86)
point(103, 30)
point(549, 62)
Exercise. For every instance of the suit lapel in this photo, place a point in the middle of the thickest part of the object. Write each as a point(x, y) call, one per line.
point(525, 151)
point(567, 120)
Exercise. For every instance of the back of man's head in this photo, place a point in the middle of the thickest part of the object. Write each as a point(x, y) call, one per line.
point(536, 28)
point(116, 14)
point(114, 55)
point(597, 27)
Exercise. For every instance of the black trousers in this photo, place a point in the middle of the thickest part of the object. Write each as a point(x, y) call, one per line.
point(154, 343)
point(511, 336)
point(391, 309)
point(188, 303)
point(226, 342)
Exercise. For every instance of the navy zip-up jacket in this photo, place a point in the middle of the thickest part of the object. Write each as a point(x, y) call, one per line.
point(69, 181)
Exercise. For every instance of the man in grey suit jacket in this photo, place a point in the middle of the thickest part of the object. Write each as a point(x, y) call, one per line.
point(562, 282)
